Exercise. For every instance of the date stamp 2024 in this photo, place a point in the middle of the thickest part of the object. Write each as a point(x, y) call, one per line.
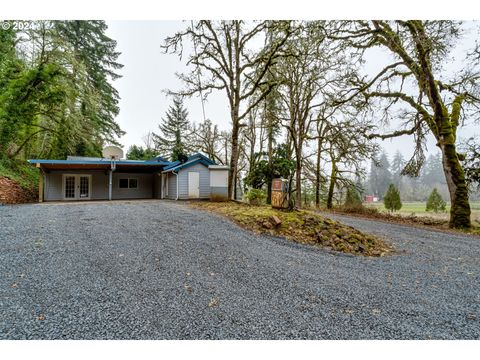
point(20, 25)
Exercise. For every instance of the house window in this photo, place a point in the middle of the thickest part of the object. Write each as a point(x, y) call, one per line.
point(128, 184)
point(132, 183)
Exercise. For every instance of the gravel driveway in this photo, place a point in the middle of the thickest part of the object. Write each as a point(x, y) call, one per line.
point(161, 270)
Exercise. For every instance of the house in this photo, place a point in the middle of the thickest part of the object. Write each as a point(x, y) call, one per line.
point(84, 178)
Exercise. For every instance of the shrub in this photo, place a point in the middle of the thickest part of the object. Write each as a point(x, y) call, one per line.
point(353, 198)
point(255, 196)
point(391, 200)
point(435, 202)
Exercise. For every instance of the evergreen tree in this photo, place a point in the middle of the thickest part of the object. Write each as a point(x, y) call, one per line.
point(174, 131)
point(94, 64)
point(391, 200)
point(435, 202)
point(432, 173)
point(398, 163)
point(380, 175)
point(353, 197)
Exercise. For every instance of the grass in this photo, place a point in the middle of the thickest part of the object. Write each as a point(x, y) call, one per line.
point(418, 209)
point(301, 226)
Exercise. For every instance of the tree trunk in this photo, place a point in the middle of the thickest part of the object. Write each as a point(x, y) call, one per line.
point(332, 186)
point(317, 174)
point(457, 187)
point(298, 183)
point(233, 159)
point(270, 161)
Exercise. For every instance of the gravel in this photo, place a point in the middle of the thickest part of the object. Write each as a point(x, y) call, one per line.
point(162, 270)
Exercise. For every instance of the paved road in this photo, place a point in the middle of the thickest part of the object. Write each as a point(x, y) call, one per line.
point(161, 270)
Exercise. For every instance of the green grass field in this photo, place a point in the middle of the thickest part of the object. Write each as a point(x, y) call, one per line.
point(418, 209)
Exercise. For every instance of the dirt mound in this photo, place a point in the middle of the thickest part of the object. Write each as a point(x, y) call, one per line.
point(300, 226)
point(12, 193)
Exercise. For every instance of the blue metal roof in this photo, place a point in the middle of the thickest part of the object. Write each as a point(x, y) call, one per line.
point(169, 166)
point(98, 162)
point(192, 160)
point(187, 164)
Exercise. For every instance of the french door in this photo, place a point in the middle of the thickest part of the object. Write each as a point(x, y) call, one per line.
point(77, 187)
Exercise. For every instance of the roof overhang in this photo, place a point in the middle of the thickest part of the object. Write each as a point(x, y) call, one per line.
point(125, 165)
point(219, 167)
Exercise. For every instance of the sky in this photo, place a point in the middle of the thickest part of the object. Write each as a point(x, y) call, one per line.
point(148, 71)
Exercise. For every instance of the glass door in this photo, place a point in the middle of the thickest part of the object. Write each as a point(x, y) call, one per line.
point(84, 187)
point(69, 187)
point(76, 187)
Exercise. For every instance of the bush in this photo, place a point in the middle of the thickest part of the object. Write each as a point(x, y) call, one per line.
point(255, 196)
point(391, 200)
point(353, 198)
point(435, 202)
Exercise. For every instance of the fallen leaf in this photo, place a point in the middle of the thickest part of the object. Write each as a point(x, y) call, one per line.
point(471, 317)
point(213, 303)
point(41, 317)
point(14, 285)
point(188, 288)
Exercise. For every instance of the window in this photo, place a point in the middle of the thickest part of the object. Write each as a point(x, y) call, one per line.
point(123, 184)
point(132, 183)
point(128, 184)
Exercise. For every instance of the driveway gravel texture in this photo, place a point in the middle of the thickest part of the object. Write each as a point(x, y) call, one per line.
point(162, 270)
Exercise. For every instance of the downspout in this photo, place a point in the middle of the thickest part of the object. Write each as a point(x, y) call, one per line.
point(110, 178)
point(176, 174)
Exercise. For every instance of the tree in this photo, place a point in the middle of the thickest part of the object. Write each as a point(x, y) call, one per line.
point(280, 166)
point(353, 198)
point(396, 167)
point(391, 200)
point(139, 153)
point(57, 97)
point(380, 175)
point(312, 68)
point(435, 202)
point(173, 131)
point(224, 60)
point(206, 137)
point(472, 162)
point(431, 103)
point(346, 151)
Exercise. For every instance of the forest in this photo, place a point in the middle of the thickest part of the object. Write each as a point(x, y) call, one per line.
point(303, 103)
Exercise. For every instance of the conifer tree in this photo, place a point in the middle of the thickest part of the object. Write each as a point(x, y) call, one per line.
point(435, 202)
point(391, 200)
point(174, 129)
point(353, 198)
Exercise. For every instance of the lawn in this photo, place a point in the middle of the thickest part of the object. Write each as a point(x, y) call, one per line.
point(418, 209)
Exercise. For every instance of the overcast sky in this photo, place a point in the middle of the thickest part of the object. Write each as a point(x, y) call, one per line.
point(147, 71)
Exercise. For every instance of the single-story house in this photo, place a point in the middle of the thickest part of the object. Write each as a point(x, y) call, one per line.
point(84, 178)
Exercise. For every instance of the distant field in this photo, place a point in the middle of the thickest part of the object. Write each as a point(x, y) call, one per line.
point(418, 209)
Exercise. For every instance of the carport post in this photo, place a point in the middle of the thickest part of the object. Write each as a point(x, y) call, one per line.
point(110, 184)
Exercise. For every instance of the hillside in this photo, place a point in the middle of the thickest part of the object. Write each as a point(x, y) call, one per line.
point(18, 182)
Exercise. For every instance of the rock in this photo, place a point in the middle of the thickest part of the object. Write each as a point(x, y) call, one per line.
point(276, 221)
point(267, 225)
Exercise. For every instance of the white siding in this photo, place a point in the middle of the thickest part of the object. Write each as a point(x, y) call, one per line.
point(218, 178)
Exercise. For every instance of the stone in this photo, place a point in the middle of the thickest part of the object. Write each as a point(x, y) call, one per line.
point(276, 221)
point(267, 225)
